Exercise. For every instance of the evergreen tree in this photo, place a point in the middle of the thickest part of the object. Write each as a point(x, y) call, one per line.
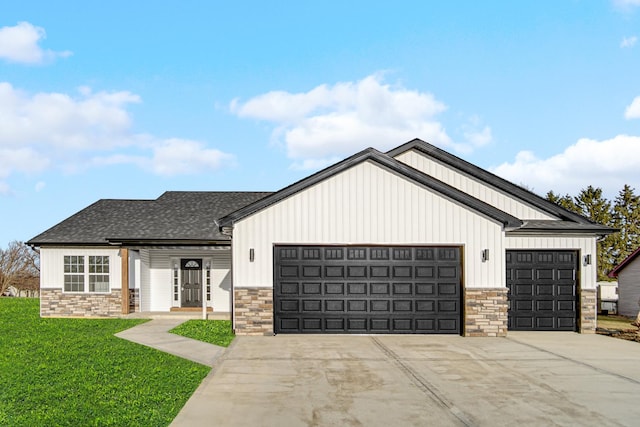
point(626, 217)
point(565, 201)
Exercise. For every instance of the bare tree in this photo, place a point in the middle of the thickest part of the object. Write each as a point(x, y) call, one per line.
point(20, 268)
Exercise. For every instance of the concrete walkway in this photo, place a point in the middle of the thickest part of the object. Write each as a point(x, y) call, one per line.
point(155, 334)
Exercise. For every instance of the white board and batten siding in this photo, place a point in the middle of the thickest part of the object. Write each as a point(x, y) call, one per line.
point(156, 277)
point(584, 246)
point(472, 186)
point(52, 264)
point(367, 205)
point(629, 288)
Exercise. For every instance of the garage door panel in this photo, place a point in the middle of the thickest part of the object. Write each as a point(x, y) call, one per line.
point(356, 272)
point(523, 289)
point(523, 322)
point(379, 272)
point(566, 273)
point(288, 271)
point(393, 289)
point(311, 305)
point(356, 305)
point(334, 288)
point(425, 306)
point(425, 272)
point(379, 289)
point(402, 305)
point(357, 324)
point(402, 288)
point(312, 324)
point(523, 305)
point(379, 305)
point(356, 288)
point(290, 288)
point(311, 289)
point(334, 305)
point(448, 289)
point(447, 272)
point(425, 288)
point(402, 272)
point(334, 271)
point(450, 306)
point(334, 325)
point(289, 305)
point(542, 289)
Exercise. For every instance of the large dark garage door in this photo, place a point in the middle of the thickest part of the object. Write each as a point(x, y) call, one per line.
point(542, 290)
point(348, 289)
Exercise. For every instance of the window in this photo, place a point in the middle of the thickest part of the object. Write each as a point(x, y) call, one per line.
point(98, 274)
point(74, 273)
point(80, 271)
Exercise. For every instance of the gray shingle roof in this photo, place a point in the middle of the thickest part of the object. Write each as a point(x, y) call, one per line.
point(175, 217)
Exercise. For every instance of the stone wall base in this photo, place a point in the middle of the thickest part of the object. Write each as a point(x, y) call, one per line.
point(134, 300)
point(588, 306)
point(55, 303)
point(253, 311)
point(485, 312)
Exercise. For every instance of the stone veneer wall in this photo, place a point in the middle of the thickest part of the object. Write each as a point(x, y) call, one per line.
point(253, 311)
point(485, 312)
point(134, 300)
point(588, 305)
point(55, 303)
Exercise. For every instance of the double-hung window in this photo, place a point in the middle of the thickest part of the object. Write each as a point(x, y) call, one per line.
point(98, 274)
point(86, 273)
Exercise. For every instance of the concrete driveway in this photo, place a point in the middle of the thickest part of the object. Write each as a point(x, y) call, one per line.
point(527, 379)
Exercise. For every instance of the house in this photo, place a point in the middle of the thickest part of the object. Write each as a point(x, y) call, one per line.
point(414, 240)
point(628, 274)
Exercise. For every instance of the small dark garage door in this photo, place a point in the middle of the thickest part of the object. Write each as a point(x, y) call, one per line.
point(542, 290)
point(348, 289)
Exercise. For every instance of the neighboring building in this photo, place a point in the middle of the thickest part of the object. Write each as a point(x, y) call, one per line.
point(628, 274)
point(415, 240)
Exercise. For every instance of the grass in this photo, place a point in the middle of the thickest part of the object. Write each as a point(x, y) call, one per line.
point(615, 322)
point(216, 332)
point(70, 372)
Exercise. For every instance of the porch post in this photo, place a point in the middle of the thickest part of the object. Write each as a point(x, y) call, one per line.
point(204, 292)
point(124, 260)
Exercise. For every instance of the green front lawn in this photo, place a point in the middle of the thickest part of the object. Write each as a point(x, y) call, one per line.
point(216, 332)
point(76, 372)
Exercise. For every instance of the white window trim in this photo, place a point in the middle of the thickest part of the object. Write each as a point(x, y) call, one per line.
point(86, 275)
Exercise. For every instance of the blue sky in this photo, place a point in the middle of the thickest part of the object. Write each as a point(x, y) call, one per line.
point(125, 99)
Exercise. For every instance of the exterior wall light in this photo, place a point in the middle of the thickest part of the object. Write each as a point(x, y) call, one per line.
point(587, 259)
point(485, 255)
point(251, 255)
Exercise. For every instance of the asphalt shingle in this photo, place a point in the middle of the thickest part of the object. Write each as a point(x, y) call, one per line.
point(174, 216)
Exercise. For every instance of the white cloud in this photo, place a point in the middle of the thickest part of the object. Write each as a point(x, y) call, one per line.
point(179, 156)
point(40, 186)
point(329, 122)
point(72, 133)
point(89, 120)
point(633, 110)
point(20, 44)
point(626, 4)
point(628, 42)
point(607, 164)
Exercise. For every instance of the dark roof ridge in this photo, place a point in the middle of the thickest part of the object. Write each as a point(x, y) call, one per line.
point(490, 178)
point(385, 160)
